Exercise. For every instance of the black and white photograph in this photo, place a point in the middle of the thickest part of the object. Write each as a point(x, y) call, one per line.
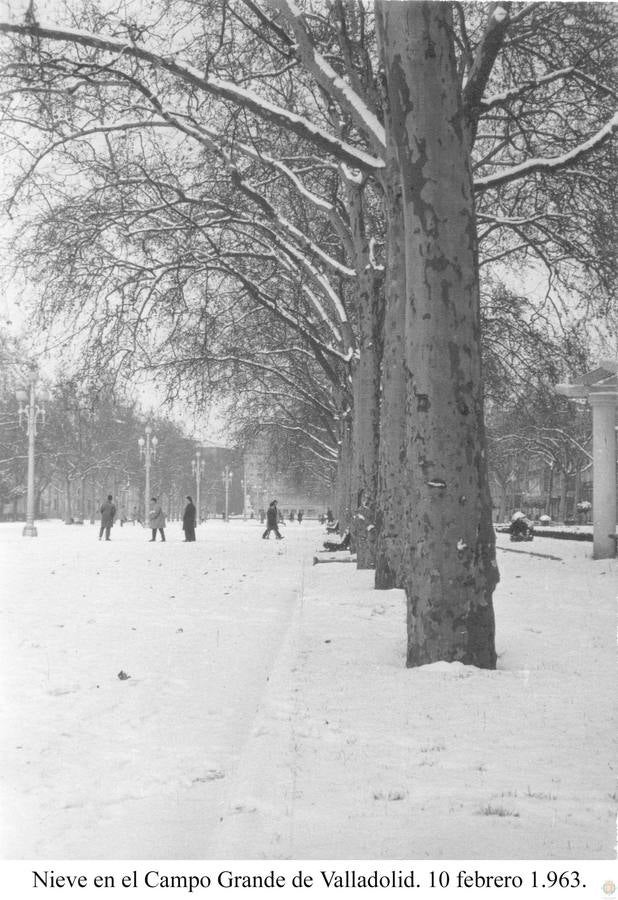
point(327, 290)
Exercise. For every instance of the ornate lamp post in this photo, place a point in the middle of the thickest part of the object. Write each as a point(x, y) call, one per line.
point(197, 467)
point(29, 409)
point(227, 476)
point(148, 451)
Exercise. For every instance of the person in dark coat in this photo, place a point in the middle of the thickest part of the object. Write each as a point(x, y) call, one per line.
point(189, 518)
point(156, 519)
point(521, 528)
point(300, 515)
point(108, 512)
point(272, 515)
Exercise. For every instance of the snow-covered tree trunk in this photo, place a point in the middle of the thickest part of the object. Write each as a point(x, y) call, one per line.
point(82, 498)
point(343, 490)
point(502, 501)
point(391, 468)
point(365, 442)
point(550, 490)
point(562, 508)
point(451, 569)
point(369, 299)
point(68, 512)
point(93, 499)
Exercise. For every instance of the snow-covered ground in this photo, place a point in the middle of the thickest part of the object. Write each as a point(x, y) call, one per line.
point(268, 713)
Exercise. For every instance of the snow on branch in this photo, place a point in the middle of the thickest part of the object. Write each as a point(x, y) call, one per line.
point(335, 86)
point(513, 93)
point(549, 164)
point(217, 87)
point(483, 63)
point(314, 199)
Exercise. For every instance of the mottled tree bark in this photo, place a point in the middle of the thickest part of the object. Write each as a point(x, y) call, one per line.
point(343, 487)
point(451, 570)
point(389, 557)
point(366, 386)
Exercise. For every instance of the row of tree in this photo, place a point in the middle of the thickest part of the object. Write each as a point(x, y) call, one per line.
point(87, 445)
point(290, 207)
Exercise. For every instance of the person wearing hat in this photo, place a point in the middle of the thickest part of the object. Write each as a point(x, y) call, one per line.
point(189, 520)
point(156, 519)
point(271, 522)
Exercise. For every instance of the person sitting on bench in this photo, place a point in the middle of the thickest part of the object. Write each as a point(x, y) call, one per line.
point(343, 544)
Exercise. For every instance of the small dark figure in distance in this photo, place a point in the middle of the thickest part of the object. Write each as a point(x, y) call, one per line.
point(300, 515)
point(292, 514)
point(272, 515)
point(343, 544)
point(329, 516)
point(189, 517)
point(521, 528)
point(156, 519)
point(108, 512)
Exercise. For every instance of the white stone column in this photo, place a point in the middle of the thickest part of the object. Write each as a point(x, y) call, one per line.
point(604, 472)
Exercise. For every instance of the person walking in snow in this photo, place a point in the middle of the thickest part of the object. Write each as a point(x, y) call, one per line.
point(108, 511)
point(272, 515)
point(300, 515)
point(188, 520)
point(156, 519)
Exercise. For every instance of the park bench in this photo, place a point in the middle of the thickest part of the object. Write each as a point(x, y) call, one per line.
point(336, 551)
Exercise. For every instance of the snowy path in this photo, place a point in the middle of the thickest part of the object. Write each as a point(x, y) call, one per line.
point(118, 766)
point(269, 714)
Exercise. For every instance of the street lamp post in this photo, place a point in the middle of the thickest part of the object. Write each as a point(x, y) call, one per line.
point(227, 476)
point(197, 467)
point(29, 409)
point(148, 451)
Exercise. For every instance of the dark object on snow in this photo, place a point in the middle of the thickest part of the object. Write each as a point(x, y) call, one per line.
point(123, 675)
point(108, 513)
point(189, 519)
point(529, 553)
point(272, 514)
point(343, 544)
point(521, 528)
